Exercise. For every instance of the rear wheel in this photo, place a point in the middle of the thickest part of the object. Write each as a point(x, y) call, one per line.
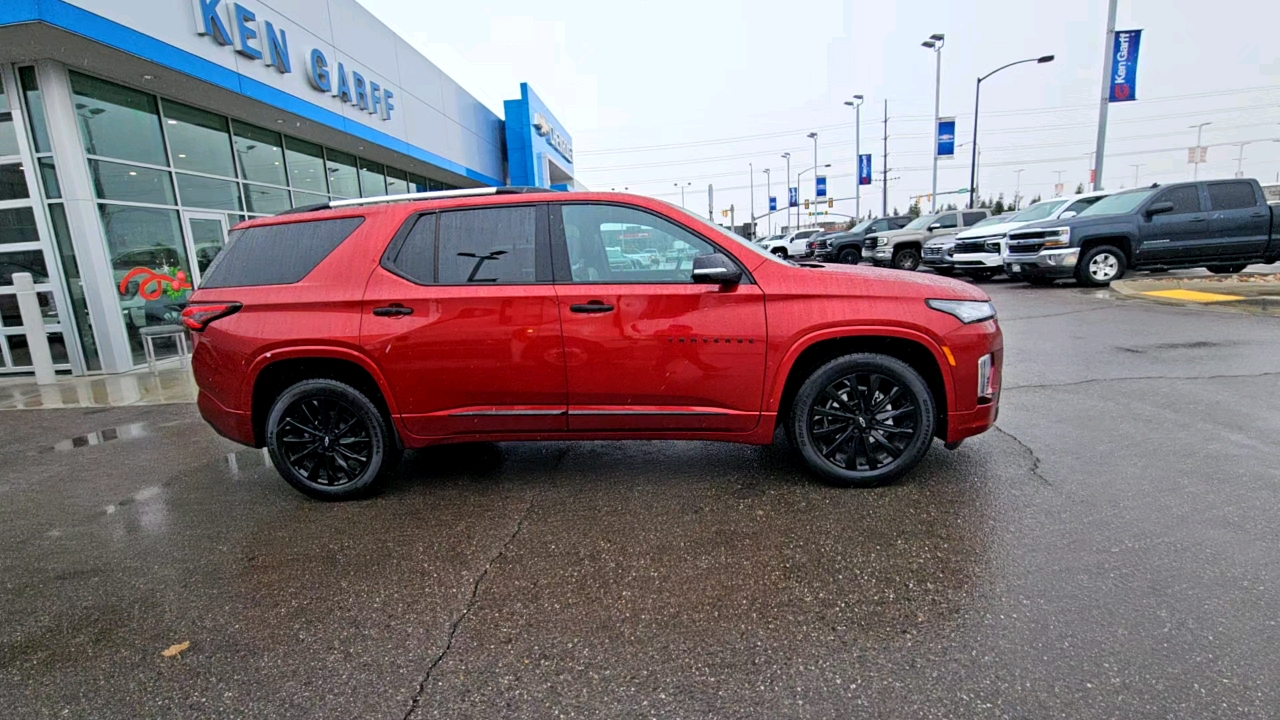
point(329, 441)
point(1101, 265)
point(1226, 269)
point(862, 420)
point(849, 256)
point(906, 259)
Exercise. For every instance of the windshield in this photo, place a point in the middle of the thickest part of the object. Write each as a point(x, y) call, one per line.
point(1118, 204)
point(862, 226)
point(1039, 211)
point(993, 220)
point(921, 222)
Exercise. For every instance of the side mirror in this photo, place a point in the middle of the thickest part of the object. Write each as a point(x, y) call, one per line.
point(1158, 208)
point(935, 226)
point(1068, 215)
point(716, 270)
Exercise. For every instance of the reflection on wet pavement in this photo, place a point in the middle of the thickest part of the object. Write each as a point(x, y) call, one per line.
point(123, 432)
point(170, 385)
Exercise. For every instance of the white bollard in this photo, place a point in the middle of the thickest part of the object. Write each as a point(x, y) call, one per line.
point(33, 324)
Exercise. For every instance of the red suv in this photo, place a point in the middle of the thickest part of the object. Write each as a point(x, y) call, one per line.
point(339, 335)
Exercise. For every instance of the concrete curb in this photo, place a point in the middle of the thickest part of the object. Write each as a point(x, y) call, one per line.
point(1260, 297)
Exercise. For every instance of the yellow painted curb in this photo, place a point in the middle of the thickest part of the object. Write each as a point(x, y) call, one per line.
point(1193, 296)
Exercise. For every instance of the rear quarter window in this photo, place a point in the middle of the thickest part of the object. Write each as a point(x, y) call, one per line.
point(277, 254)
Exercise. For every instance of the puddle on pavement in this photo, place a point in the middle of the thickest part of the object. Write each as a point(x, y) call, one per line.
point(131, 431)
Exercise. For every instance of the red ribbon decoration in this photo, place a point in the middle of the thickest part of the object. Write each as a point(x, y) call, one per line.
point(153, 283)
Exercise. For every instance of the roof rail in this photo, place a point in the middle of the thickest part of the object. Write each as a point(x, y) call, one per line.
point(435, 195)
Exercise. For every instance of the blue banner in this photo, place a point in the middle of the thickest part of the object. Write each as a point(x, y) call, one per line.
point(773, 204)
point(946, 136)
point(1124, 66)
point(864, 169)
point(820, 187)
point(793, 197)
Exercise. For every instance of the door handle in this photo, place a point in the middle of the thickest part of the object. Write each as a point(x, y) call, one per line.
point(1257, 214)
point(595, 306)
point(1197, 219)
point(392, 311)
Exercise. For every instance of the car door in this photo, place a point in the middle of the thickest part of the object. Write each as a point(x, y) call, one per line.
point(1178, 235)
point(462, 319)
point(1238, 220)
point(649, 349)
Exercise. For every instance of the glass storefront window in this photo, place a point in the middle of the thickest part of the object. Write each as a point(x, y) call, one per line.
point(18, 225)
point(29, 261)
point(130, 183)
point(372, 182)
point(301, 199)
point(417, 184)
point(202, 192)
point(266, 200)
point(49, 176)
point(261, 154)
point(13, 182)
point(199, 140)
point(21, 352)
point(8, 135)
point(344, 182)
point(35, 109)
point(150, 240)
point(117, 122)
point(397, 182)
point(306, 165)
point(75, 287)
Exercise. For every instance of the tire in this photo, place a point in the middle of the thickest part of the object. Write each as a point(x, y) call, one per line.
point(1041, 281)
point(1100, 266)
point(329, 441)
point(780, 252)
point(906, 259)
point(982, 275)
point(838, 391)
point(1226, 269)
point(945, 270)
point(850, 257)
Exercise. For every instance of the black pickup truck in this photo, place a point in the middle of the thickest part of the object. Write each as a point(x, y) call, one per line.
point(1222, 225)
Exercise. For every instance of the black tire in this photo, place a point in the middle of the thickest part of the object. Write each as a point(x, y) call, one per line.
point(329, 441)
point(1226, 269)
point(906, 259)
point(1100, 266)
point(849, 256)
point(945, 270)
point(835, 396)
point(780, 252)
point(982, 275)
point(1041, 281)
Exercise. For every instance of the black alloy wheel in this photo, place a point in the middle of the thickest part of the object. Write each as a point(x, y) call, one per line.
point(908, 259)
point(850, 257)
point(328, 440)
point(863, 420)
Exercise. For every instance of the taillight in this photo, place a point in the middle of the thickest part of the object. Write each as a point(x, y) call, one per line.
point(198, 317)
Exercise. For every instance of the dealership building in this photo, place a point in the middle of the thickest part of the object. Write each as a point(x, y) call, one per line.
point(135, 133)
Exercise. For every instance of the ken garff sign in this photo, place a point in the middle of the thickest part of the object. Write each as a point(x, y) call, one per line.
point(1124, 66)
point(820, 186)
point(239, 27)
point(553, 136)
point(946, 136)
point(864, 169)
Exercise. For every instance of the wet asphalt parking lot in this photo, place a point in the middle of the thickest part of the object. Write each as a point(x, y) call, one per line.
point(1112, 550)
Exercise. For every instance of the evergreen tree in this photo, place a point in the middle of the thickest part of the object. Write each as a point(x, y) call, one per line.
point(1035, 200)
point(1079, 188)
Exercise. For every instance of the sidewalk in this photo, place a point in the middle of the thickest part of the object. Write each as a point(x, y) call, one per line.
point(173, 384)
point(1257, 293)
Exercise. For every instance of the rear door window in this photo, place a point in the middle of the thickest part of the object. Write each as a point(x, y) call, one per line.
point(488, 245)
point(1231, 196)
point(277, 254)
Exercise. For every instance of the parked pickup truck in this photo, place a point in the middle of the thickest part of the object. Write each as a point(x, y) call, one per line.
point(1221, 225)
point(790, 245)
point(979, 252)
point(901, 248)
point(846, 247)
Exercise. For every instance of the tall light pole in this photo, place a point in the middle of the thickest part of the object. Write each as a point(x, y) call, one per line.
point(856, 104)
point(798, 175)
point(1195, 174)
point(814, 137)
point(1136, 167)
point(787, 156)
point(1017, 188)
point(977, 94)
point(1108, 43)
point(751, 168)
point(682, 187)
point(935, 43)
point(768, 191)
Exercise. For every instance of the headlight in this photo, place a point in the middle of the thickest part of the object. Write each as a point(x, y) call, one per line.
point(966, 311)
point(881, 242)
point(1057, 237)
point(991, 246)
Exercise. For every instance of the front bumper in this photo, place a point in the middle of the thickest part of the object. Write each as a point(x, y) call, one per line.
point(979, 260)
point(1055, 263)
point(936, 257)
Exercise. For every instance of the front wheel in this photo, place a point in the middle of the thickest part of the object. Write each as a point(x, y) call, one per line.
point(908, 259)
point(862, 420)
point(1100, 265)
point(329, 441)
point(780, 252)
point(1226, 269)
point(850, 257)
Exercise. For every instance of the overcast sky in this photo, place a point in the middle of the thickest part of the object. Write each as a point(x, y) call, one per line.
point(662, 92)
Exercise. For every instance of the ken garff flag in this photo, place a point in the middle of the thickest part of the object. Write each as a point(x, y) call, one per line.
point(946, 136)
point(864, 169)
point(773, 204)
point(820, 186)
point(1124, 66)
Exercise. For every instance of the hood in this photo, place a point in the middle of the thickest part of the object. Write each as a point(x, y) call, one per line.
point(989, 230)
point(898, 283)
point(1076, 222)
point(941, 240)
point(898, 234)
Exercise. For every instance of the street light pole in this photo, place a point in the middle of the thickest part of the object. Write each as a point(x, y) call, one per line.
point(752, 169)
point(814, 137)
point(1017, 188)
point(1195, 174)
point(787, 156)
point(768, 191)
point(798, 176)
point(857, 152)
point(935, 43)
point(1136, 167)
point(682, 187)
point(977, 94)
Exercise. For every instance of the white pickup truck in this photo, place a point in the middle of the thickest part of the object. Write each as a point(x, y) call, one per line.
point(790, 245)
point(979, 253)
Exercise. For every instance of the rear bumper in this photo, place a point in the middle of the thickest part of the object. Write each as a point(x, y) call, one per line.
point(231, 424)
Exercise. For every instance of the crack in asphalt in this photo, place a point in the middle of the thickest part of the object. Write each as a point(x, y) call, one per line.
point(1069, 312)
point(1035, 464)
point(1140, 377)
point(471, 602)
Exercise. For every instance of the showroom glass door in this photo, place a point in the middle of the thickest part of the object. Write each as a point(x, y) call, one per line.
point(206, 236)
